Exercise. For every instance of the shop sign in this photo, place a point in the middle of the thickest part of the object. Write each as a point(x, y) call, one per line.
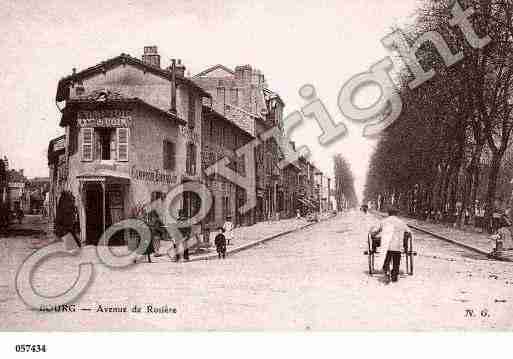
point(156, 175)
point(104, 118)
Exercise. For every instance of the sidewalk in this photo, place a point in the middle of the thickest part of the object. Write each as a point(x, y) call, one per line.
point(470, 239)
point(249, 236)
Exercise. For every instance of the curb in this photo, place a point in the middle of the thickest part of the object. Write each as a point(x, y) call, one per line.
point(455, 242)
point(242, 247)
point(452, 241)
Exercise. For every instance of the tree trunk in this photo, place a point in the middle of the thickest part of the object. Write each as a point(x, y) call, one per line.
point(471, 182)
point(492, 186)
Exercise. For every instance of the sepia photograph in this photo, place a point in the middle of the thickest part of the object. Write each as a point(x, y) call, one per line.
point(256, 166)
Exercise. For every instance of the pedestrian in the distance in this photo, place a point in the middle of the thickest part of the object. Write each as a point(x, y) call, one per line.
point(496, 218)
point(228, 230)
point(220, 242)
point(502, 236)
point(480, 212)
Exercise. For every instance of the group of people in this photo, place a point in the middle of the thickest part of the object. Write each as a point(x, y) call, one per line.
point(474, 217)
point(222, 239)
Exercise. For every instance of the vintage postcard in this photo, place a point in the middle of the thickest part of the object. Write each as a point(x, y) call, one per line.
point(256, 166)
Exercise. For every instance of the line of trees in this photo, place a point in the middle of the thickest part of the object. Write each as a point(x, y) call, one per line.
point(345, 193)
point(449, 151)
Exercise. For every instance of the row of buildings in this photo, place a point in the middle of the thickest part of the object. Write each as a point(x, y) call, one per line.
point(134, 130)
point(19, 192)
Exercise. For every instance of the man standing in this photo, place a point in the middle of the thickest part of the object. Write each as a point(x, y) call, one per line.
point(391, 230)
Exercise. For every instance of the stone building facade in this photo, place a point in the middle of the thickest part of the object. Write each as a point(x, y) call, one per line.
point(132, 132)
point(220, 138)
point(242, 96)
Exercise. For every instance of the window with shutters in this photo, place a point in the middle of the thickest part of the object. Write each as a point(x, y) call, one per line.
point(87, 144)
point(192, 108)
point(221, 96)
point(106, 138)
point(122, 139)
point(221, 136)
point(235, 96)
point(169, 155)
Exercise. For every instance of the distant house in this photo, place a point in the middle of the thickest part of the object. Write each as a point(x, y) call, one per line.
point(4, 181)
point(17, 191)
point(37, 188)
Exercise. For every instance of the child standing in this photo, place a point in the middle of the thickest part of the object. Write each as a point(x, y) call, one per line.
point(220, 242)
point(228, 229)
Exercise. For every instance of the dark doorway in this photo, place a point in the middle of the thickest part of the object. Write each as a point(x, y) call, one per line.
point(94, 213)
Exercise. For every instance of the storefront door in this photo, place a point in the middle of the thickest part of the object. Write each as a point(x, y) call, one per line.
point(94, 213)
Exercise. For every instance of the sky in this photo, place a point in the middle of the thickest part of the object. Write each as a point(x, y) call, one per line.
point(323, 43)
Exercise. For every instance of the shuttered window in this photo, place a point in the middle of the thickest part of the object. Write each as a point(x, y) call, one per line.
point(192, 110)
point(87, 144)
point(122, 135)
point(169, 155)
point(190, 161)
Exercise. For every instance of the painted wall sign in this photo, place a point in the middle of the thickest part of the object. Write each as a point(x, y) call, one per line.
point(189, 134)
point(155, 175)
point(104, 118)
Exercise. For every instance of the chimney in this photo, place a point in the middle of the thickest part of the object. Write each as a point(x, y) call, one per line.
point(151, 56)
point(243, 72)
point(180, 68)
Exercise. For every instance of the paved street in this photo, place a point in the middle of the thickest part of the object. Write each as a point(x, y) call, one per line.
point(315, 278)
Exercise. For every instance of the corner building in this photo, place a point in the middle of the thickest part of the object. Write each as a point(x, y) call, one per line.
point(132, 132)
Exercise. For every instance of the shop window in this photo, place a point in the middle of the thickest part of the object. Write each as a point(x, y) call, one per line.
point(156, 195)
point(212, 211)
point(169, 156)
point(191, 204)
point(190, 162)
point(87, 144)
point(225, 208)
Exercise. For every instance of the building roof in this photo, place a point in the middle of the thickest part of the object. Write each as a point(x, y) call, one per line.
point(100, 98)
point(39, 179)
point(269, 95)
point(209, 111)
point(213, 68)
point(56, 147)
point(63, 85)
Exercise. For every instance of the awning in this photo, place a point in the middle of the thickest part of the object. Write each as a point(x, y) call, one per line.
point(105, 175)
